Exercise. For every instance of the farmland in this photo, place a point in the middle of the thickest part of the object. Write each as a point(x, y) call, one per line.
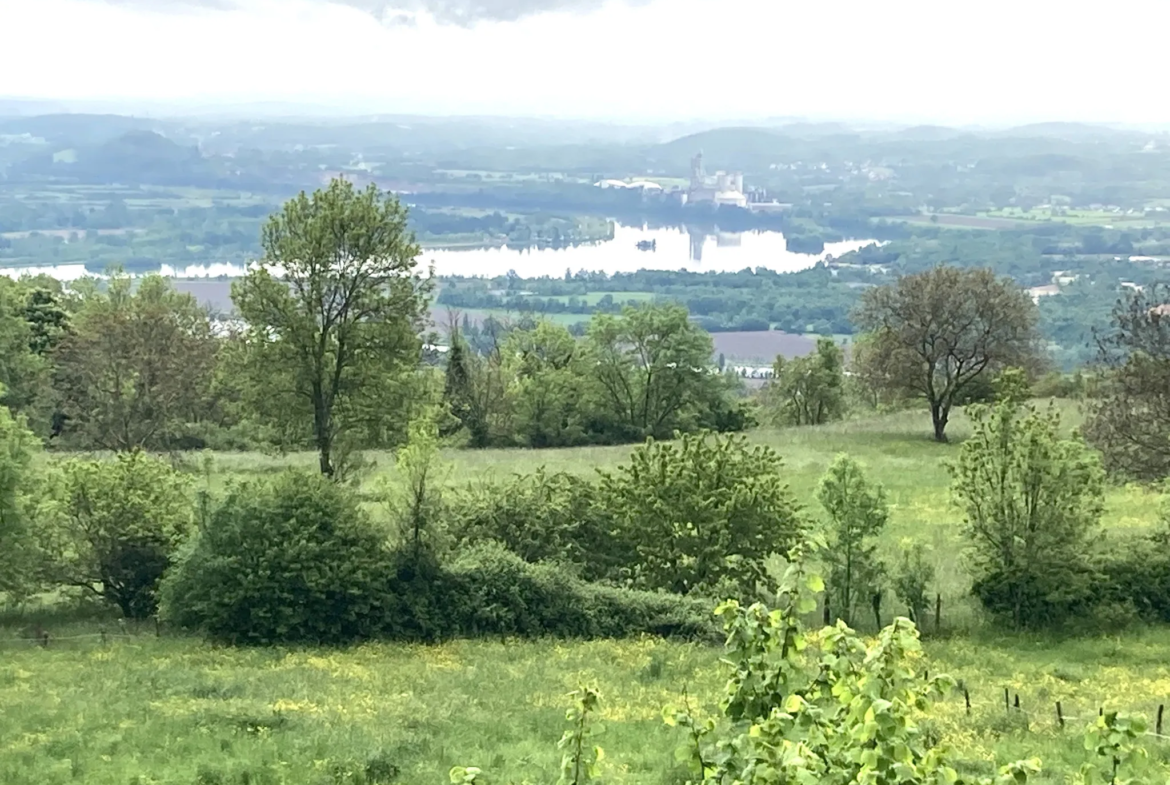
point(172, 709)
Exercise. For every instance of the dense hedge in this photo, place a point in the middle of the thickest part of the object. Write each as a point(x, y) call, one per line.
point(295, 560)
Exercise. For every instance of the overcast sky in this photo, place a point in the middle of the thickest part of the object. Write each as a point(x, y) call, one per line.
point(957, 61)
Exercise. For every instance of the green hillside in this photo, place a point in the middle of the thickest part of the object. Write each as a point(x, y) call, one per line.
point(111, 705)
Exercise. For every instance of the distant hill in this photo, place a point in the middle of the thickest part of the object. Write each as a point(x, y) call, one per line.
point(74, 130)
point(134, 157)
point(927, 133)
point(1072, 132)
point(723, 148)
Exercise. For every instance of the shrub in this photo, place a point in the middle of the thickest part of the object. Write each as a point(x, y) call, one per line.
point(291, 559)
point(540, 517)
point(701, 514)
point(1031, 501)
point(114, 526)
point(499, 593)
point(857, 512)
point(913, 578)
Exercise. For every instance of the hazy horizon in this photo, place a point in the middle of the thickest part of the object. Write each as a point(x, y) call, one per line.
point(637, 62)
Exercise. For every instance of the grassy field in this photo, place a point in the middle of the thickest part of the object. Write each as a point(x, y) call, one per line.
point(146, 709)
point(1015, 218)
point(896, 449)
point(176, 711)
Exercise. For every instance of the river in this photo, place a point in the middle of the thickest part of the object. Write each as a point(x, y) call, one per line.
point(675, 249)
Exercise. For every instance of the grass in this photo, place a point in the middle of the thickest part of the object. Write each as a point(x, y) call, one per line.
point(146, 709)
point(593, 298)
point(143, 709)
point(896, 449)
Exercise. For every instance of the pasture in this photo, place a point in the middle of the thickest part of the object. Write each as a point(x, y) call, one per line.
point(895, 449)
point(130, 706)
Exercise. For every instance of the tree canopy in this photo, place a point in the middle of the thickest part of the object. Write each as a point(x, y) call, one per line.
point(935, 335)
point(334, 314)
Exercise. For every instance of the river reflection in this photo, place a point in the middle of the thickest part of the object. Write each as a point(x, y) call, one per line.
point(673, 249)
point(667, 249)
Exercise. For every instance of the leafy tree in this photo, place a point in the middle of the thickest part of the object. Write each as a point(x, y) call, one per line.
point(857, 514)
point(22, 371)
point(476, 387)
point(809, 390)
point(1031, 501)
point(549, 387)
point(137, 366)
point(334, 312)
point(938, 333)
point(651, 366)
point(116, 526)
point(291, 559)
point(1129, 417)
point(48, 317)
point(17, 481)
point(701, 514)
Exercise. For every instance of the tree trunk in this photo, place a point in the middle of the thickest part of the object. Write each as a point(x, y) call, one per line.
point(939, 414)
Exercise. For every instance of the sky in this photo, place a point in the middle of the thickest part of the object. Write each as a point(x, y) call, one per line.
point(944, 61)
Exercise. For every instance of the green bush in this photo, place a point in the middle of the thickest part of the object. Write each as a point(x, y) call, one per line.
point(501, 594)
point(540, 517)
point(291, 559)
point(113, 526)
point(701, 514)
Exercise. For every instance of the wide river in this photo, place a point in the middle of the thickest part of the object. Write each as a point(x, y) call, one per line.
point(675, 249)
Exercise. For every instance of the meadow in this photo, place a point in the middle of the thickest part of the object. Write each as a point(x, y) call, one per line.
point(136, 707)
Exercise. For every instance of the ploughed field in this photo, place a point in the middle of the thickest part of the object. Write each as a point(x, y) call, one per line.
point(107, 704)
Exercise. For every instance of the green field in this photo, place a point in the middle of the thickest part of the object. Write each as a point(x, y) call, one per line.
point(146, 709)
point(1016, 218)
point(592, 298)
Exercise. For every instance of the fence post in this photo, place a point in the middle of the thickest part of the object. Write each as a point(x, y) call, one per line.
point(157, 628)
point(1017, 703)
point(1006, 699)
point(938, 612)
point(967, 698)
point(1060, 715)
point(1158, 726)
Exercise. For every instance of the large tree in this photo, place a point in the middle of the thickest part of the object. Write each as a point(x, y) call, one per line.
point(940, 334)
point(652, 370)
point(136, 366)
point(22, 369)
point(334, 311)
point(1129, 417)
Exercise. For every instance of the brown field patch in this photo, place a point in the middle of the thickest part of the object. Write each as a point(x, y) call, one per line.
point(761, 347)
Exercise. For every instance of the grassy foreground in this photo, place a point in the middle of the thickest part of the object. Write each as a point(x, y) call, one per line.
point(146, 709)
point(176, 711)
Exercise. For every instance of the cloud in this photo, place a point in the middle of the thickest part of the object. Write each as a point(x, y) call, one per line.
point(464, 13)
